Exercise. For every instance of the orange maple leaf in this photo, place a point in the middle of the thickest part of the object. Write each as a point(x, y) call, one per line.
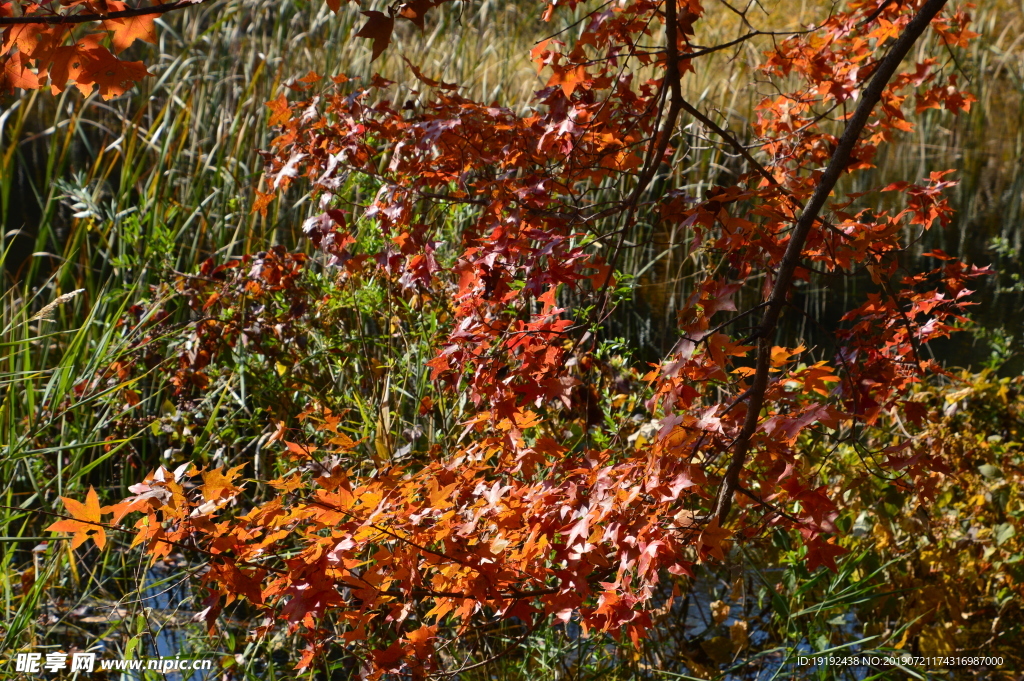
point(782, 355)
point(260, 206)
point(129, 29)
point(298, 451)
point(568, 78)
point(68, 61)
point(605, 275)
point(216, 483)
point(15, 74)
point(420, 640)
point(711, 539)
point(86, 522)
point(279, 111)
point(114, 77)
point(285, 485)
point(25, 36)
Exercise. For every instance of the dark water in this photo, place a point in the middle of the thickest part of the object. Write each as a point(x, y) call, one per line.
point(169, 598)
point(987, 229)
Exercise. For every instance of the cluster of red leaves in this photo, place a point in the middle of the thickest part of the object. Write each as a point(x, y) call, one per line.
point(258, 302)
point(507, 522)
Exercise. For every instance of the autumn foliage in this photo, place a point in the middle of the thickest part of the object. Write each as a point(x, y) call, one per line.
point(504, 518)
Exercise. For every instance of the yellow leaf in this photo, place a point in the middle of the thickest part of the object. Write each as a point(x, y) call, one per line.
point(738, 634)
point(216, 483)
point(937, 639)
point(781, 355)
point(720, 611)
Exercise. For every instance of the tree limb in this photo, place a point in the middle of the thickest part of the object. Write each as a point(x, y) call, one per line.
point(791, 260)
point(62, 19)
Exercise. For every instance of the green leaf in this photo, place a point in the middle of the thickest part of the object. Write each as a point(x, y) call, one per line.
point(130, 647)
point(990, 471)
point(1003, 532)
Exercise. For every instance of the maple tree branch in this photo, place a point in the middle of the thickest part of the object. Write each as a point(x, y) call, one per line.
point(512, 646)
point(877, 13)
point(125, 530)
point(511, 594)
point(673, 77)
point(723, 46)
point(907, 323)
point(575, 23)
point(384, 530)
point(703, 51)
point(770, 506)
point(659, 146)
point(791, 260)
point(733, 142)
point(61, 19)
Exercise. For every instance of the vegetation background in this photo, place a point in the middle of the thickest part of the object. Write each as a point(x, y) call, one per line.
point(109, 210)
